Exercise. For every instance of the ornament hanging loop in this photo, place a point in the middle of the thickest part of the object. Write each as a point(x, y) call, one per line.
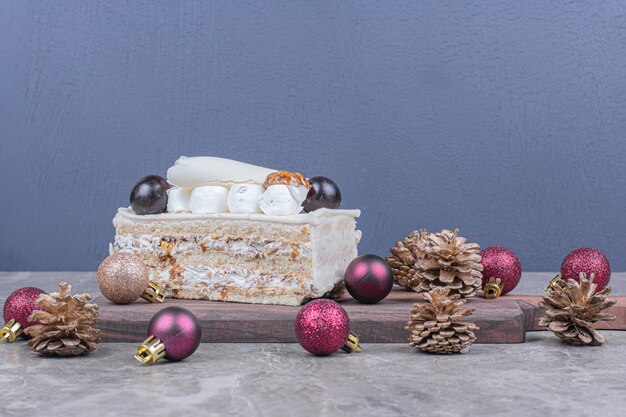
point(153, 293)
point(150, 351)
point(556, 284)
point(10, 331)
point(352, 345)
point(493, 289)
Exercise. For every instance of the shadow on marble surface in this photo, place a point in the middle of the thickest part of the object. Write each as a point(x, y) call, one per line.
point(542, 378)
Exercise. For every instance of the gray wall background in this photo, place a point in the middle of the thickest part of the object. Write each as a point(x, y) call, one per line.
point(506, 119)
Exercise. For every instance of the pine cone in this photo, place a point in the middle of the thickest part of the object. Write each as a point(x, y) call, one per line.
point(64, 329)
point(450, 262)
point(423, 261)
point(572, 308)
point(437, 326)
point(403, 259)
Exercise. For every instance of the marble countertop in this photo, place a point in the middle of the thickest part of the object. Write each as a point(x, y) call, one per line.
point(541, 377)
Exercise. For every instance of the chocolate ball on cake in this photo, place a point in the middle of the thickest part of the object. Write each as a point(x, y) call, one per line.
point(149, 195)
point(324, 193)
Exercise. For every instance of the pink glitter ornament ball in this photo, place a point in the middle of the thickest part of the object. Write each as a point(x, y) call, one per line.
point(587, 260)
point(500, 262)
point(322, 327)
point(21, 304)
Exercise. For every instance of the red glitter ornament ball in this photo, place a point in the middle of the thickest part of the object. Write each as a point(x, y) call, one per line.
point(21, 304)
point(587, 260)
point(322, 327)
point(500, 262)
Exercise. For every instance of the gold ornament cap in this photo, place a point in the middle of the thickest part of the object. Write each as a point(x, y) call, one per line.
point(556, 284)
point(493, 288)
point(150, 351)
point(10, 331)
point(352, 345)
point(153, 293)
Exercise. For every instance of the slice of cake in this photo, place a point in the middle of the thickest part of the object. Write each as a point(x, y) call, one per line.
point(235, 232)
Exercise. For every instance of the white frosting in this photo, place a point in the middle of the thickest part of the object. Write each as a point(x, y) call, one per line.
point(125, 214)
point(244, 198)
point(200, 171)
point(282, 200)
point(208, 199)
point(333, 245)
point(178, 200)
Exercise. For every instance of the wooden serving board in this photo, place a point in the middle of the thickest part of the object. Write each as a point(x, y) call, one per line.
point(501, 320)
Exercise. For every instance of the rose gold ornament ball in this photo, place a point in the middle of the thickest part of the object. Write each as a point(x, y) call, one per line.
point(122, 278)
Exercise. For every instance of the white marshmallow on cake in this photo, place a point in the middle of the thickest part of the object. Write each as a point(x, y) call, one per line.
point(298, 193)
point(244, 198)
point(178, 200)
point(209, 199)
point(282, 200)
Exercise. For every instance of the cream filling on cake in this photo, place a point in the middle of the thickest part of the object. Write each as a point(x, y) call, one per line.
point(194, 277)
point(252, 248)
point(232, 284)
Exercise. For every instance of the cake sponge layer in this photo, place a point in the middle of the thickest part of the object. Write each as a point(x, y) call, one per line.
point(251, 258)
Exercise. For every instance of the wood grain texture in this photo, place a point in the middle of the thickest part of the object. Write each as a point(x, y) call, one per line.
point(504, 320)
